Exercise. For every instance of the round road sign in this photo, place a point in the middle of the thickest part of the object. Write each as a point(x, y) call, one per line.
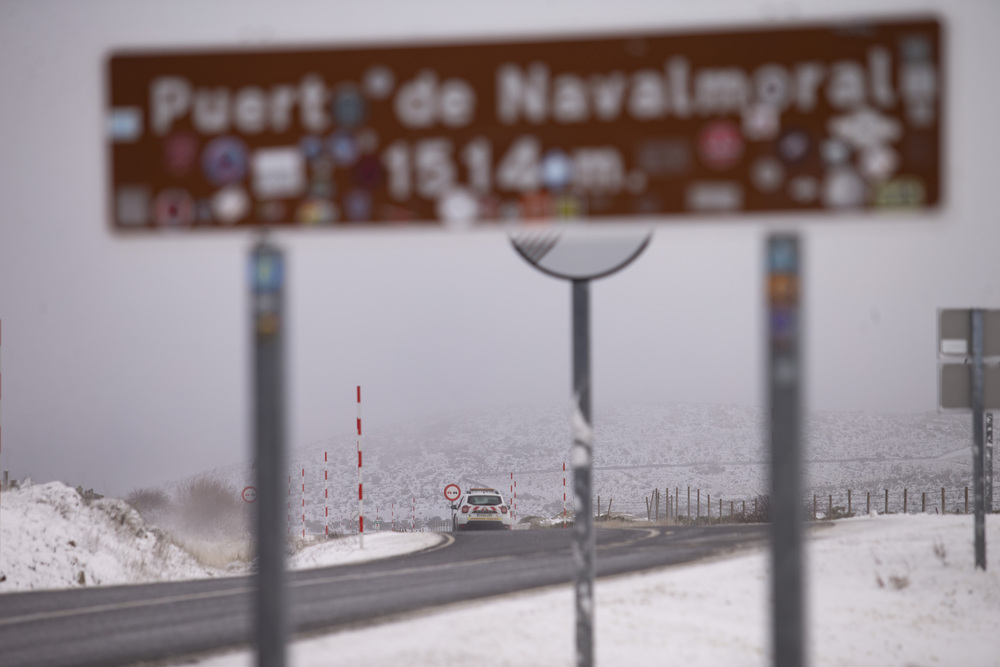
point(250, 494)
point(452, 492)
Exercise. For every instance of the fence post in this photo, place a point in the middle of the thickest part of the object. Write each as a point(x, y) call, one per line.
point(923, 502)
point(730, 509)
point(744, 511)
point(698, 515)
point(708, 507)
point(829, 512)
point(689, 503)
point(966, 500)
point(887, 501)
point(814, 507)
point(849, 513)
point(657, 504)
point(755, 507)
point(720, 510)
point(904, 500)
point(647, 509)
point(942, 501)
point(868, 509)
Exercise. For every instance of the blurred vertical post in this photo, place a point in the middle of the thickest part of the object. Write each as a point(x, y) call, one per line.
point(989, 462)
point(3, 482)
point(583, 527)
point(267, 279)
point(978, 457)
point(784, 381)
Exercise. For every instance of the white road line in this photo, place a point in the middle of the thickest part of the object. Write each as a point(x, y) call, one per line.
point(117, 606)
point(190, 597)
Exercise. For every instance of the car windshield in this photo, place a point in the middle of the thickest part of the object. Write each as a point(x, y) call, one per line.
point(484, 500)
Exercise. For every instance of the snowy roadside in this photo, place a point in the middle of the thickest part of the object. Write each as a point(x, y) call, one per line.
point(896, 590)
point(51, 538)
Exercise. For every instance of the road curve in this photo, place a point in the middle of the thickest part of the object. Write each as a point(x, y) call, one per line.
point(120, 625)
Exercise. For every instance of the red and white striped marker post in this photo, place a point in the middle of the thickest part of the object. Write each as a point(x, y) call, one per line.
point(394, 516)
point(288, 509)
point(511, 496)
point(564, 494)
point(303, 503)
point(361, 493)
point(326, 495)
point(413, 525)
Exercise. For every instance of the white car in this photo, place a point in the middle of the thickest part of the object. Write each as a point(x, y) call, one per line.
point(482, 509)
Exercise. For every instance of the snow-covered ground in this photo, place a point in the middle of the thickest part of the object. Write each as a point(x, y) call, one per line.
point(51, 538)
point(886, 590)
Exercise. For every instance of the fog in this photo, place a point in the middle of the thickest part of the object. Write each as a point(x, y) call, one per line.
point(126, 359)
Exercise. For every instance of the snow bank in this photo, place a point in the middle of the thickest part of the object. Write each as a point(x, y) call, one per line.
point(50, 537)
point(897, 590)
point(377, 545)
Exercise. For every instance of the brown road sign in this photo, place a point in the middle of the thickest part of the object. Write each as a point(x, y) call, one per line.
point(818, 118)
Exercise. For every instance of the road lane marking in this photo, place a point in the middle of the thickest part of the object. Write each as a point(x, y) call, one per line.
point(305, 581)
point(650, 533)
point(118, 606)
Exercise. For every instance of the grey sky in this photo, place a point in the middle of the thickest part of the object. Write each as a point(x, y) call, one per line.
point(125, 359)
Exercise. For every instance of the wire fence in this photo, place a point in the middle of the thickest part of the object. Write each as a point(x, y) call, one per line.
point(695, 505)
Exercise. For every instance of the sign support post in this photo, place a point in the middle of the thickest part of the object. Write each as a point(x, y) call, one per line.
point(966, 339)
point(989, 462)
point(784, 395)
point(267, 277)
point(978, 481)
point(583, 527)
point(581, 257)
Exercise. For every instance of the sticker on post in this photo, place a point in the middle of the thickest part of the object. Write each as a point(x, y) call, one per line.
point(954, 346)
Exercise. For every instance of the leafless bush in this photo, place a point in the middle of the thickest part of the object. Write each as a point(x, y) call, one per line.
point(209, 507)
point(150, 503)
point(940, 551)
point(760, 512)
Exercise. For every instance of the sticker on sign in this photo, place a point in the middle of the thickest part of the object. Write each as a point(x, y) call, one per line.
point(465, 133)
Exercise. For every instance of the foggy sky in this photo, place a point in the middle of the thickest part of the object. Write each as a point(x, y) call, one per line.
point(126, 360)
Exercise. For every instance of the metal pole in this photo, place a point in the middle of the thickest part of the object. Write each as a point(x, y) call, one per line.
point(978, 470)
point(989, 462)
point(267, 275)
point(784, 380)
point(3, 485)
point(583, 527)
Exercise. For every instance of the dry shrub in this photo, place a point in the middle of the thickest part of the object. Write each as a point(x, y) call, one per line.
point(208, 507)
point(150, 503)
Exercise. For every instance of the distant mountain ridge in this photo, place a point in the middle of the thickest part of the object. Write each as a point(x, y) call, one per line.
point(719, 449)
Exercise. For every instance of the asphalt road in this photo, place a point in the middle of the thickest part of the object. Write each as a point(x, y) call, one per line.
point(122, 625)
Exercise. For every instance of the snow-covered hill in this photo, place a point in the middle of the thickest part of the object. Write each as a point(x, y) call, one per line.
point(718, 449)
point(52, 537)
